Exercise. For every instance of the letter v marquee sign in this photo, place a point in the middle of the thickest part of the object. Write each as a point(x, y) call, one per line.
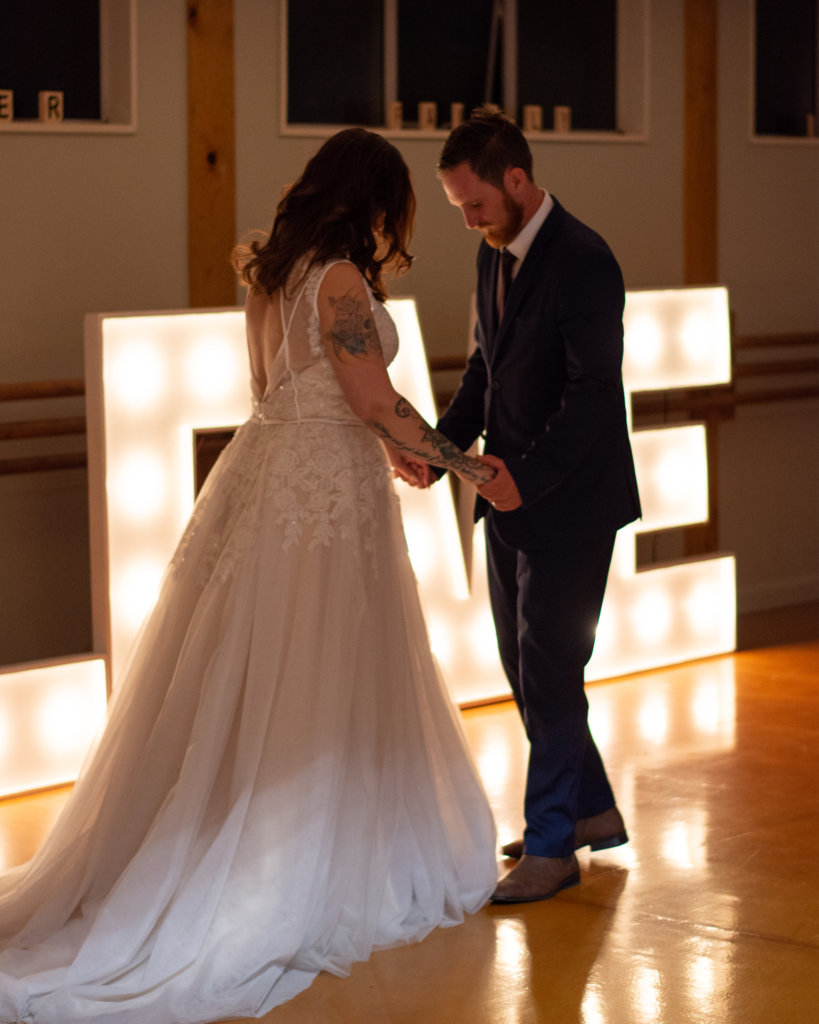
point(653, 617)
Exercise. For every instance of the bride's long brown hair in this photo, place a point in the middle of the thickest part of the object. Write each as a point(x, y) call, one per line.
point(355, 183)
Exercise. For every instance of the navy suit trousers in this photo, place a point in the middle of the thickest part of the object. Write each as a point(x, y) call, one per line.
point(546, 603)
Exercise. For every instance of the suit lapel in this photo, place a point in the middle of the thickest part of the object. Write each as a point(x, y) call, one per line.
point(529, 274)
point(487, 310)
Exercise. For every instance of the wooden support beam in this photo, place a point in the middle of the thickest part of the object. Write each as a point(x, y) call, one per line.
point(211, 153)
point(700, 202)
point(700, 144)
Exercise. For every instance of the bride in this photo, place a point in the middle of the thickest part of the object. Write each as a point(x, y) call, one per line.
point(282, 784)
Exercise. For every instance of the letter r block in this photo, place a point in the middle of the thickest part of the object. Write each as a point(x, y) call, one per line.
point(50, 106)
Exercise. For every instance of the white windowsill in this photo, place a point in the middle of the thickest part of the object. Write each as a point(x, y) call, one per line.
point(785, 140)
point(69, 127)
point(320, 131)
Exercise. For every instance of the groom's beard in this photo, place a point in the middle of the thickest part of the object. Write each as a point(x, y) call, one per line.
point(498, 235)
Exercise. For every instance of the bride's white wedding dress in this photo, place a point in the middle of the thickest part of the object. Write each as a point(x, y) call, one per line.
point(282, 785)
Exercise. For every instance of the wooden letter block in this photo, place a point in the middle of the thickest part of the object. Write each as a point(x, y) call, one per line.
point(428, 116)
point(563, 119)
point(50, 106)
point(456, 114)
point(6, 104)
point(532, 117)
point(395, 115)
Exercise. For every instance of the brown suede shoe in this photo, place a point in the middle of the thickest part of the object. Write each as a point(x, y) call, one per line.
point(537, 878)
point(513, 850)
point(600, 832)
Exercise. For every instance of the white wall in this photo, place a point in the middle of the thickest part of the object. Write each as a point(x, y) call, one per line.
point(89, 222)
point(768, 247)
point(768, 201)
point(98, 223)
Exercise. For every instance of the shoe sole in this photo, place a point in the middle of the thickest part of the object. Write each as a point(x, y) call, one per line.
point(604, 843)
point(568, 883)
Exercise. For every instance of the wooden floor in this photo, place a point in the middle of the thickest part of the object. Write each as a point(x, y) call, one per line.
point(710, 914)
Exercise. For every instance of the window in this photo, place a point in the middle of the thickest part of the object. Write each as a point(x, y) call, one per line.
point(436, 36)
point(567, 57)
point(336, 75)
point(786, 67)
point(51, 45)
point(350, 65)
point(84, 49)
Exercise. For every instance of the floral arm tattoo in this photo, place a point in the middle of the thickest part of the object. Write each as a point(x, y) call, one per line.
point(353, 330)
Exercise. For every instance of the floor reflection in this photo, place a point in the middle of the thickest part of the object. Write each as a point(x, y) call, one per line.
point(685, 715)
point(710, 913)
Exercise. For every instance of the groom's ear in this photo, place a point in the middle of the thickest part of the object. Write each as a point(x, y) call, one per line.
point(515, 180)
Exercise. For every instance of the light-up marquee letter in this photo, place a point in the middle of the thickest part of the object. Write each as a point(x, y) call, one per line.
point(153, 381)
point(456, 608)
point(50, 712)
point(665, 614)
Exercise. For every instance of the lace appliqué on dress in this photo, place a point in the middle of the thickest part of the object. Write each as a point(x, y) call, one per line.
point(311, 291)
point(304, 469)
point(323, 492)
point(318, 489)
point(224, 518)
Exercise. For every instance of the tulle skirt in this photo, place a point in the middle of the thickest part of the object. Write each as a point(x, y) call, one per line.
point(282, 785)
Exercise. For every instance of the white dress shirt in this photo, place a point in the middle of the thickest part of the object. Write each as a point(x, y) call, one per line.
point(522, 242)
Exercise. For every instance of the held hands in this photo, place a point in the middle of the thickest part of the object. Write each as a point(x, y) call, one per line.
point(501, 491)
point(416, 474)
point(485, 472)
point(423, 473)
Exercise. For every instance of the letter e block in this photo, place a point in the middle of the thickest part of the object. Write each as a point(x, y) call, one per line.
point(6, 104)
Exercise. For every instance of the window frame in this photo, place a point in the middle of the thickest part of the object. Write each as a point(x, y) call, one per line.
point(766, 139)
point(632, 100)
point(118, 80)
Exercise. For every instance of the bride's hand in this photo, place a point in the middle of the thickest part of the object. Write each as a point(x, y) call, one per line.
point(416, 474)
point(424, 473)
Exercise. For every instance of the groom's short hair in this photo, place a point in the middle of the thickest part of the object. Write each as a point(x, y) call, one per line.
point(490, 142)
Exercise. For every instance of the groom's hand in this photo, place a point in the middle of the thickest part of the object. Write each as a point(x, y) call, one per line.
point(501, 491)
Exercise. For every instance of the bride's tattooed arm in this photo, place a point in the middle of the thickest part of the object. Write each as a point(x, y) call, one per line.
point(433, 447)
point(352, 339)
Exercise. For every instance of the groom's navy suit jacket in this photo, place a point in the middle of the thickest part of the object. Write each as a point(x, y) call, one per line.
point(544, 387)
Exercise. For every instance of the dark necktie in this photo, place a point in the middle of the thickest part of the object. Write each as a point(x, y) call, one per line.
point(507, 262)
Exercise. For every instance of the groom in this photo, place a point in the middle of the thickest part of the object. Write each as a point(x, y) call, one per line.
point(544, 389)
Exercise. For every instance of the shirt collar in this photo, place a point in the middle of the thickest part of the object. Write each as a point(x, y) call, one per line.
point(523, 240)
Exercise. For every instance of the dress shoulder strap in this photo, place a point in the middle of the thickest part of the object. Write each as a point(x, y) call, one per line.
point(314, 282)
